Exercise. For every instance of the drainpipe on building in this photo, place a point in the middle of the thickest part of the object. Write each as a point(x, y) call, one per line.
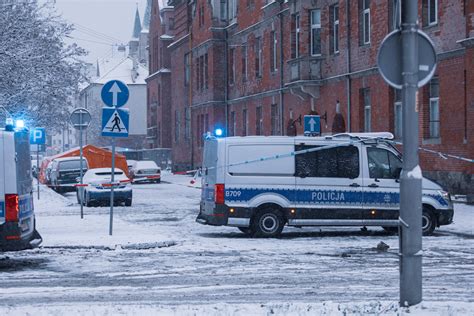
point(190, 94)
point(226, 74)
point(348, 82)
point(282, 107)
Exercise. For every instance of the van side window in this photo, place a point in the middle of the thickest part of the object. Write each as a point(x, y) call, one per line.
point(340, 162)
point(383, 164)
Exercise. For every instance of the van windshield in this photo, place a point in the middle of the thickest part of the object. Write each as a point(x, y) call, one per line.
point(72, 165)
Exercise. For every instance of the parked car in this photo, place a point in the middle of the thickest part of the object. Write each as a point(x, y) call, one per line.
point(145, 171)
point(97, 191)
point(64, 172)
point(354, 181)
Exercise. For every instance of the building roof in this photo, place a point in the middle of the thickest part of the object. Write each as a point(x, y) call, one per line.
point(120, 69)
point(137, 28)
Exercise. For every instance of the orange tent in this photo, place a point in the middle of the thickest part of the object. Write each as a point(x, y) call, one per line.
point(96, 158)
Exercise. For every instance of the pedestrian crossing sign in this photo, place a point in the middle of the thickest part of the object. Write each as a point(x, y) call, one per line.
point(115, 122)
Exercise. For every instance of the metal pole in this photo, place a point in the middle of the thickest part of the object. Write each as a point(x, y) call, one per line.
point(81, 188)
point(37, 169)
point(410, 178)
point(112, 179)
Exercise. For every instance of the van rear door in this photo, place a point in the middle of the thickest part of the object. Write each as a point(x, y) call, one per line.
point(209, 175)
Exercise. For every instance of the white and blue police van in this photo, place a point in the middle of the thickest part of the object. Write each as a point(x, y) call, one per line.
point(17, 219)
point(260, 184)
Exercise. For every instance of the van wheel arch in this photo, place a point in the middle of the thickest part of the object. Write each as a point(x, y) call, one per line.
point(267, 214)
point(429, 212)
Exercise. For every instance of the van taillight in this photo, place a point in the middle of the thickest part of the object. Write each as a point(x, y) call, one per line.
point(219, 193)
point(12, 207)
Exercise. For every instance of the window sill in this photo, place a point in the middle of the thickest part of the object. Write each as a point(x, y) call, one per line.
point(432, 141)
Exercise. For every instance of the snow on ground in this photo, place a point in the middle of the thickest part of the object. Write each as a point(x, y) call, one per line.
point(159, 261)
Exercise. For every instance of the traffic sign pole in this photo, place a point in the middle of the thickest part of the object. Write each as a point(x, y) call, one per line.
point(81, 118)
point(81, 188)
point(112, 179)
point(410, 230)
point(37, 170)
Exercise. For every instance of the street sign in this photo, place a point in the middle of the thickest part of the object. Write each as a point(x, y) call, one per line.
point(38, 136)
point(115, 122)
point(115, 93)
point(389, 59)
point(80, 118)
point(312, 125)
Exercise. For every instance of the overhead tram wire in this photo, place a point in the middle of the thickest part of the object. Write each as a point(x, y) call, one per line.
point(95, 33)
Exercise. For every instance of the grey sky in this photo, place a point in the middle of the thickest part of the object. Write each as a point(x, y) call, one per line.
point(113, 18)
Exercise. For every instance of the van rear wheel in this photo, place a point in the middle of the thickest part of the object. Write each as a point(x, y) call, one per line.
point(268, 223)
point(428, 222)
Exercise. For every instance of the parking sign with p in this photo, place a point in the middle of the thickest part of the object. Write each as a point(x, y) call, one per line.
point(38, 136)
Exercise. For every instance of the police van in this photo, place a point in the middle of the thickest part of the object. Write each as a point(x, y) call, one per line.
point(17, 219)
point(259, 184)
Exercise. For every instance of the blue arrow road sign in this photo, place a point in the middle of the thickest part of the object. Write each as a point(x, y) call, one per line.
point(115, 93)
point(312, 124)
point(115, 122)
point(38, 136)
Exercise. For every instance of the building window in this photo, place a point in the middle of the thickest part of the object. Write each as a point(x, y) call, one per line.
point(171, 24)
point(275, 115)
point(258, 57)
point(232, 124)
point(315, 37)
point(244, 122)
point(367, 109)
point(201, 16)
point(206, 71)
point(273, 50)
point(232, 66)
point(177, 126)
point(244, 62)
point(394, 14)
point(398, 113)
point(198, 73)
point(259, 121)
point(223, 6)
point(295, 35)
point(434, 108)
point(364, 22)
point(232, 9)
point(430, 12)
point(187, 68)
point(334, 17)
point(187, 123)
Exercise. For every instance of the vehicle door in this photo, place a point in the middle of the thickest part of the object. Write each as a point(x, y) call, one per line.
point(328, 181)
point(381, 172)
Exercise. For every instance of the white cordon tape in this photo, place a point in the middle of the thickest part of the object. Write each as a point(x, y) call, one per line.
point(442, 155)
point(352, 142)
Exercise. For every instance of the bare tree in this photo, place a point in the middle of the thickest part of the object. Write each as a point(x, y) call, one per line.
point(39, 73)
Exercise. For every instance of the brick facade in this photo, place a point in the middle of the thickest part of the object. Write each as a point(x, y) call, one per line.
point(248, 74)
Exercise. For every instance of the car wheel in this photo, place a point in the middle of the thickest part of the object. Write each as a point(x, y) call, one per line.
point(428, 222)
point(158, 181)
point(268, 223)
point(128, 202)
point(87, 201)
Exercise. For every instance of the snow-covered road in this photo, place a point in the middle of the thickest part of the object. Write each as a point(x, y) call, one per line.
point(159, 256)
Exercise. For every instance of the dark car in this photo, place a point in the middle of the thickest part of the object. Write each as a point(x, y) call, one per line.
point(64, 172)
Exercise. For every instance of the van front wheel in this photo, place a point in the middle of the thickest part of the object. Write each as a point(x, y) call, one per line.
point(268, 223)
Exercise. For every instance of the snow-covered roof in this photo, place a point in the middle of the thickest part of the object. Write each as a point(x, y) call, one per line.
point(120, 69)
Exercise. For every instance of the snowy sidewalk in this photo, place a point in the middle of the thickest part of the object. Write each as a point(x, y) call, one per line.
point(59, 223)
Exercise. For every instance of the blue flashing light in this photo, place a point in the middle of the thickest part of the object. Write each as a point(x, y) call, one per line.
point(219, 132)
point(20, 124)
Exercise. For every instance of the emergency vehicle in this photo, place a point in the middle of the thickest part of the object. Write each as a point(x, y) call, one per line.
point(17, 219)
point(259, 184)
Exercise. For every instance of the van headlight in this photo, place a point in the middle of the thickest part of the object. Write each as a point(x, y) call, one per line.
point(445, 195)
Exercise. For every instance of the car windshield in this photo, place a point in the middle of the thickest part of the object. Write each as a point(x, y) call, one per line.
point(71, 165)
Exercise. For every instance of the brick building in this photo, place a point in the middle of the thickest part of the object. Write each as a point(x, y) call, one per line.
point(254, 67)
